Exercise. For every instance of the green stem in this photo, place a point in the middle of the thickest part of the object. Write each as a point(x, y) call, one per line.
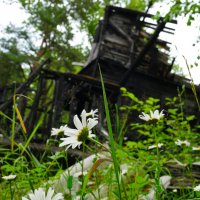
point(111, 138)
point(157, 172)
point(95, 141)
point(90, 149)
point(82, 170)
point(11, 191)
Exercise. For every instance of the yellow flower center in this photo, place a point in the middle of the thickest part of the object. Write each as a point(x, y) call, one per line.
point(60, 132)
point(152, 121)
point(83, 134)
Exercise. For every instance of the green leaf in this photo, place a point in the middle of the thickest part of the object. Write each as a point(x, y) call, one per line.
point(69, 182)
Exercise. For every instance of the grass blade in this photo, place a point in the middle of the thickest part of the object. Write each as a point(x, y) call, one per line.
point(33, 133)
point(110, 133)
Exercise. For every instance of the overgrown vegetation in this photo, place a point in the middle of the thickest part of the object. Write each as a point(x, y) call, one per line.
point(164, 147)
point(142, 168)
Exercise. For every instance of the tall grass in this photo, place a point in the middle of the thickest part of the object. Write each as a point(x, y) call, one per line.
point(143, 165)
point(111, 138)
point(192, 84)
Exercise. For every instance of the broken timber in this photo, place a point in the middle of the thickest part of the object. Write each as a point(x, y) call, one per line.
point(128, 49)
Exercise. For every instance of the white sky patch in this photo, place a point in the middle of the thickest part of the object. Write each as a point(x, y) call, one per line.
point(11, 13)
point(182, 41)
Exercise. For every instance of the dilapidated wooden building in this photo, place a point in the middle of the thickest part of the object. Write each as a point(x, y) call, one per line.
point(128, 50)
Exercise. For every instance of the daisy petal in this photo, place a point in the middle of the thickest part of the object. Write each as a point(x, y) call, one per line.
point(77, 123)
point(91, 123)
point(83, 116)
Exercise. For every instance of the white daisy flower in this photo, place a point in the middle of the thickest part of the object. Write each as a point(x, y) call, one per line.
point(75, 137)
point(39, 194)
point(152, 116)
point(92, 113)
point(57, 131)
point(197, 188)
point(156, 114)
point(154, 146)
point(9, 177)
point(181, 142)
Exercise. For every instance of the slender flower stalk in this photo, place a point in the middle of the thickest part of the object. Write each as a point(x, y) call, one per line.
point(10, 178)
point(158, 166)
point(95, 141)
point(152, 118)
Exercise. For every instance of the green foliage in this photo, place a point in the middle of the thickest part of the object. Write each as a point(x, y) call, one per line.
point(111, 137)
point(52, 22)
point(186, 8)
point(11, 60)
point(173, 127)
point(29, 176)
point(140, 5)
point(139, 164)
point(48, 33)
point(137, 104)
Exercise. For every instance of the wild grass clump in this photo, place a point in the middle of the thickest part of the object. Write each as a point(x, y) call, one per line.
point(151, 153)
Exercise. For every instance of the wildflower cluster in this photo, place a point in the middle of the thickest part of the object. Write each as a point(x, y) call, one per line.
point(74, 138)
point(81, 174)
point(83, 131)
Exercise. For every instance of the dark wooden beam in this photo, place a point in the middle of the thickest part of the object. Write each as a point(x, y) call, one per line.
point(22, 88)
point(121, 32)
point(80, 77)
point(38, 147)
point(143, 52)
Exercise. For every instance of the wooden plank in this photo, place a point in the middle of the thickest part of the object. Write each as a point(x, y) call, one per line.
point(22, 88)
point(33, 113)
point(145, 49)
point(128, 12)
point(38, 147)
point(82, 77)
point(120, 31)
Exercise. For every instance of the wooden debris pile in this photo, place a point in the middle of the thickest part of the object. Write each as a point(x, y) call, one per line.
point(128, 50)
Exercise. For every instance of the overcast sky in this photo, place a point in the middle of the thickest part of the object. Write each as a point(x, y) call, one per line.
point(182, 40)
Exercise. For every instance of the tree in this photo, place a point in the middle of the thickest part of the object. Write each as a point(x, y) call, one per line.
point(49, 33)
